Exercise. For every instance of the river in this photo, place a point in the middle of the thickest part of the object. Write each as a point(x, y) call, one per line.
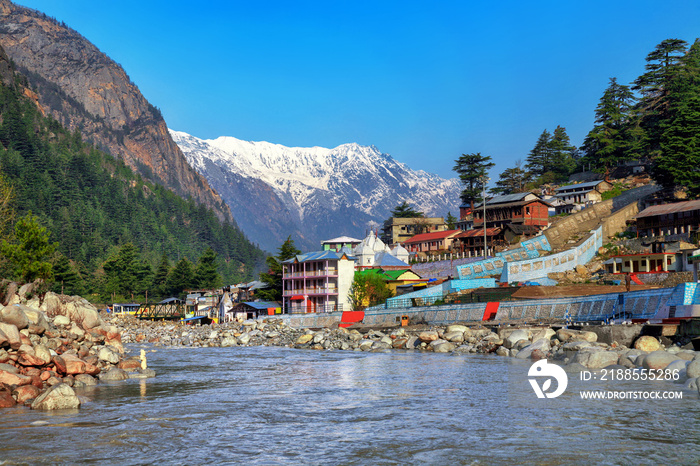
point(264, 405)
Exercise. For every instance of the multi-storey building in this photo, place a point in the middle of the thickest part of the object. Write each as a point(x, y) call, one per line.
point(521, 208)
point(679, 218)
point(397, 230)
point(576, 197)
point(317, 282)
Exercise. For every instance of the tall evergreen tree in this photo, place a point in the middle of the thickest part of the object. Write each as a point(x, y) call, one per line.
point(562, 162)
point(405, 210)
point(160, 278)
point(512, 180)
point(473, 171)
point(205, 274)
point(29, 252)
point(181, 278)
point(609, 141)
point(537, 160)
point(451, 221)
point(66, 278)
point(663, 63)
point(679, 160)
point(273, 277)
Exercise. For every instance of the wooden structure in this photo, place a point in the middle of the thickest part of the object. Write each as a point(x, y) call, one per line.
point(679, 218)
point(435, 241)
point(521, 208)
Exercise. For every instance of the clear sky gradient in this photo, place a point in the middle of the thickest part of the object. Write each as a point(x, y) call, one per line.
point(422, 81)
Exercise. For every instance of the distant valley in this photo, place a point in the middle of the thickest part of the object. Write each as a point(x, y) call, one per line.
point(312, 193)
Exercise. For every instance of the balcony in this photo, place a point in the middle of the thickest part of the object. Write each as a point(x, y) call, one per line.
point(312, 273)
point(311, 290)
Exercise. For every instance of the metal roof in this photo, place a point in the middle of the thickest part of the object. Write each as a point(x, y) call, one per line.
point(589, 184)
point(431, 236)
point(317, 256)
point(666, 209)
point(509, 199)
point(262, 305)
point(342, 239)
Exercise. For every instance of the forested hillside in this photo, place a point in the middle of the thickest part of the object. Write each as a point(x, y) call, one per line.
point(102, 214)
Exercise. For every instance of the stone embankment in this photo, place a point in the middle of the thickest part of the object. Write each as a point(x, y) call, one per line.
point(576, 350)
point(53, 344)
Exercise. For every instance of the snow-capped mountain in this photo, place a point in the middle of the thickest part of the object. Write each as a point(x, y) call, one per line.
point(312, 193)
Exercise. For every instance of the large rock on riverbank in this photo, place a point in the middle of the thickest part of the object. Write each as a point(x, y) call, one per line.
point(50, 342)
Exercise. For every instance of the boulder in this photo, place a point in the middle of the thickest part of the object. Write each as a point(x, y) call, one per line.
point(4, 340)
point(229, 341)
point(454, 336)
point(6, 398)
point(51, 305)
point(244, 338)
point(25, 393)
point(44, 353)
point(547, 333)
point(9, 368)
point(503, 351)
point(11, 378)
point(442, 346)
point(596, 358)
point(143, 374)
point(60, 396)
point(428, 336)
point(679, 367)
point(106, 354)
point(566, 334)
point(693, 369)
point(10, 293)
point(658, 360)
point(84, 380)
point(302, 340)
point(61, 321)
point(12, 334)
point(647, 343)
point(456, 328)
point(541, 345)
point(518, 335)
point(14, 315)
point(366, 345)
point(114, 374)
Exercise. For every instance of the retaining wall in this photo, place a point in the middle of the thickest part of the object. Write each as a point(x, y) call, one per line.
point(533, 269)
point(644, 304)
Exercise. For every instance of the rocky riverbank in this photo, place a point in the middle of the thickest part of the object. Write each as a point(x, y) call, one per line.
point(575, 350)
point(53, 344)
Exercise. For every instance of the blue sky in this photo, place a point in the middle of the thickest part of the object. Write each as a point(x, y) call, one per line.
point(422, 81)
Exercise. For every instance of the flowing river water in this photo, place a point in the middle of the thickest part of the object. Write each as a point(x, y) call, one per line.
point(265, 405)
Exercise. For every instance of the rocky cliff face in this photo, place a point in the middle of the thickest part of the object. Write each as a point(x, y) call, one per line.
point(84, 89)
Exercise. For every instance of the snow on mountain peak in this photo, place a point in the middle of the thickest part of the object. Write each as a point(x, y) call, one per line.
point(347, 178)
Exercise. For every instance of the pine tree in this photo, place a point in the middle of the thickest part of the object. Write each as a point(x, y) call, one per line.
point(160, 278)
point(451, 221)
point(181, 278)
point(29, 253)
point(405, 210)
point(512, 180)
point(538, 160)
point(679, 159)
point(473, 171)
point(663, 63)
point(273, 277)
point(205, 274)
point(66, 279)
point(609, 142)
point(561, 161)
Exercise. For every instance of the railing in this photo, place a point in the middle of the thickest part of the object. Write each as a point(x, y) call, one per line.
point(312, 290)
point(323, 308)
point(312, 273)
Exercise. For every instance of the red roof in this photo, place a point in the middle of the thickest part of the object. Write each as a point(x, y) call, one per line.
point(479, 232)
point(432, 236)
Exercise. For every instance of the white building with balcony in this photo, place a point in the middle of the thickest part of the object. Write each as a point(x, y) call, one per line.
point(317, 282)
